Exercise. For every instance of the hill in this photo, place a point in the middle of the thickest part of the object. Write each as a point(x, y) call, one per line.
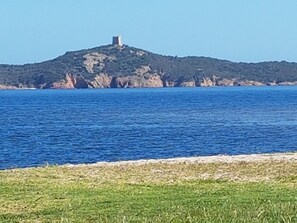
point(114, 66)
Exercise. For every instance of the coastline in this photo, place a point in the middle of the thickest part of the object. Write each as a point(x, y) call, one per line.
point(287, 84)
point(249, 158)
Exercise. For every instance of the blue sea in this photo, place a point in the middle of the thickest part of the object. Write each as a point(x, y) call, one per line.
point(40, 127)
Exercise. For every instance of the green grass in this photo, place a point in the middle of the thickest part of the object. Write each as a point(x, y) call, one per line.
point(182, 192)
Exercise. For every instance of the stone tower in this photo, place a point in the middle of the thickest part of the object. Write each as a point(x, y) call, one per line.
point(117, 41)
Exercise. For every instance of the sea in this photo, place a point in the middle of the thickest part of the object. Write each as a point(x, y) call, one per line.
point(53, 127)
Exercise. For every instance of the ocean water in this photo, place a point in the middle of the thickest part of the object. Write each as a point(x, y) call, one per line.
point(39, 127)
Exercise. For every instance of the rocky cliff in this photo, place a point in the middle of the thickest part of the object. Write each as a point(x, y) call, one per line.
point(128, 67)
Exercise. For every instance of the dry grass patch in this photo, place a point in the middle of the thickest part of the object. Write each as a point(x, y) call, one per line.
point(156, 173)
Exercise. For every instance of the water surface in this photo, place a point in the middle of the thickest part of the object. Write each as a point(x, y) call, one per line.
point(41, 127)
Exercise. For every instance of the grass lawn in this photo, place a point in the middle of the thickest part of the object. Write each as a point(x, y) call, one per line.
point(157, 192)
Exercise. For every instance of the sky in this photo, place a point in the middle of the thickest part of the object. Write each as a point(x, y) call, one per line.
point(238, 30)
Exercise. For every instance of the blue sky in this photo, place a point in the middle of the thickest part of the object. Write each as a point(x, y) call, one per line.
point(237, 30)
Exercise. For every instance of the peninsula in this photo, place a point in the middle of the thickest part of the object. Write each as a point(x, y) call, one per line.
point(121, 66)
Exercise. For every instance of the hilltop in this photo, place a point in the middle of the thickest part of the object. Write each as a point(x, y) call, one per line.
point(122, 66)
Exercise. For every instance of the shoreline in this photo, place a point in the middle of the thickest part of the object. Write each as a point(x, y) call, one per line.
point(287, 156)
point(12, 88)
point(212, 159)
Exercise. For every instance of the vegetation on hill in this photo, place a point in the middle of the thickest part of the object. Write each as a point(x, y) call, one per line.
point(118, 63)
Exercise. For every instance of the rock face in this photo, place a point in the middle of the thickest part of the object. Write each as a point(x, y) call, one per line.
point(286, 83)
point(249, 83)
point(8, 87)
point(101, 81)
point(187, 84)
point(70, 81)
point(92, 59)
point(143, 77)
point(225, 82)
point(137, 82)
point(208, 82)
point(5, 87)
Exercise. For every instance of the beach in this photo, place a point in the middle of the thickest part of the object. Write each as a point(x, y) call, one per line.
point(202, 159)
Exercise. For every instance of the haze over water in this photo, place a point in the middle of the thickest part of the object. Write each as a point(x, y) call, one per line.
point(84, 126)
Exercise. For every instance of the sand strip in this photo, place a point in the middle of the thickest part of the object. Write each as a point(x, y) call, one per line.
point(203, 159)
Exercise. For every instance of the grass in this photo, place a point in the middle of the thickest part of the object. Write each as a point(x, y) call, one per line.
point(159, 192)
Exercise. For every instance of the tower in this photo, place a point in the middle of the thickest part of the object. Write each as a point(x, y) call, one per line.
point(117, 41)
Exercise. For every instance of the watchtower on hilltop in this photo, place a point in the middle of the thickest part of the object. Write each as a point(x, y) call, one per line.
point(117, 41)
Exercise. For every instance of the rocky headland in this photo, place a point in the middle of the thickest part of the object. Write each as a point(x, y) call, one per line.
point(115, 66)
